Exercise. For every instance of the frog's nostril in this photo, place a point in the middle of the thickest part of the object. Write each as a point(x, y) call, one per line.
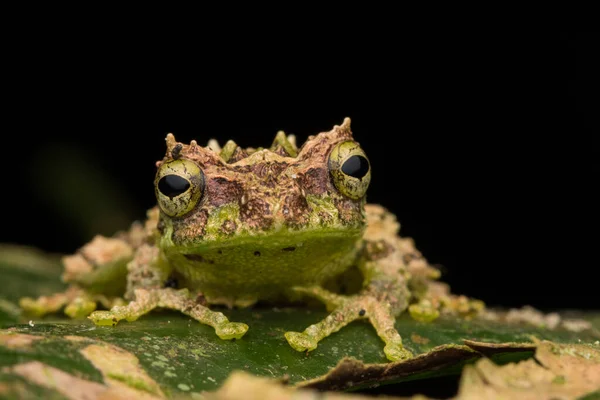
point(291, 248)
point(171, 282)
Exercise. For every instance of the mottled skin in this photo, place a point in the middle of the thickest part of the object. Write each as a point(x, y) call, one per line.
point(272, 225)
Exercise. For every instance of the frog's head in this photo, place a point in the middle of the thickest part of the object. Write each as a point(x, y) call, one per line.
point(211, 198)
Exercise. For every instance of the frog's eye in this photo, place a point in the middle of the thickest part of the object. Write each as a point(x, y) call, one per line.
point(350, 169)
point(178, 186)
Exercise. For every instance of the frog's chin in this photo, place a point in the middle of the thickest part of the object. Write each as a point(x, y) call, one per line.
point(283, 241)
point(254, 266)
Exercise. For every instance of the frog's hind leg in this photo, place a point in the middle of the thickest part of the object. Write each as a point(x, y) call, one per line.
point(95, 273)
point(77, 303)
point(74, 298)
point(81, 306)
point(346, 310)
point(180, 300)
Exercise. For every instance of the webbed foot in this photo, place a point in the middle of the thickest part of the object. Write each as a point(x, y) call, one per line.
point(301, 341)
point(103, 318)
point(396, 352)
point(231, 330)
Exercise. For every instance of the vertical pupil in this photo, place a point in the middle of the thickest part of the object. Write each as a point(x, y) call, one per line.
point(173, 185)
point(356, 166)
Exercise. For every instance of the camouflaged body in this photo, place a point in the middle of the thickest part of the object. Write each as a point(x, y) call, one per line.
point(267, 219)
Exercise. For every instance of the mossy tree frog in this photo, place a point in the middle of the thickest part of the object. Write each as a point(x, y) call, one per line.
point(237, 226)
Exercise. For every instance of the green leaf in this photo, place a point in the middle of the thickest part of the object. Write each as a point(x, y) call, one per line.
point(168, 354)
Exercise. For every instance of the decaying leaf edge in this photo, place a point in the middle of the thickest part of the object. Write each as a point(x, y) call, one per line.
point(352, 374)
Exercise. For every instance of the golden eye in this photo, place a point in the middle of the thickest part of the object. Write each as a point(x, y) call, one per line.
point(350, 169)
point(178, 186)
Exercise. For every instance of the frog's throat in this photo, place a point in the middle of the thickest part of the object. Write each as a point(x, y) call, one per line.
point(263, 267)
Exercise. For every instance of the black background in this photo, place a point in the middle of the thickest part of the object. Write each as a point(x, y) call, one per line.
point(481, 143)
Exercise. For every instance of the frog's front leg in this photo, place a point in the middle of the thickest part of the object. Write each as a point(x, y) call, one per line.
point(180, 300)
point(147, 274)
point(384, 295)
point(379, 310)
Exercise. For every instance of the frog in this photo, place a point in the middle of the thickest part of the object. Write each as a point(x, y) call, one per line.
point(237, 227)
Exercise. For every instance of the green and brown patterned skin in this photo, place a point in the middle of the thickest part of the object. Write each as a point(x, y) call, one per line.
point(236, 226)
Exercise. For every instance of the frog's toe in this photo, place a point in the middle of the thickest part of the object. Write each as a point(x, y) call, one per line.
point(301, 341)
point(32, 307)
point(397, 352)
point(80, 308)
point(103, 318)
point(423, 311)
point(231, 330)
